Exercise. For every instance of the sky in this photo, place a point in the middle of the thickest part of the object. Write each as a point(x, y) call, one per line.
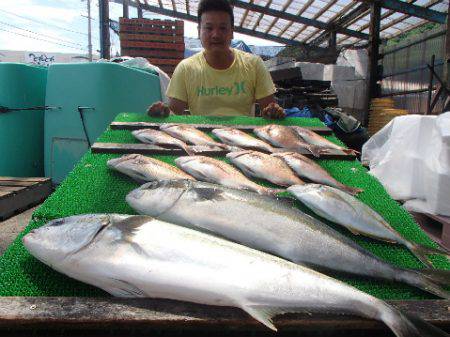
point(62, 26)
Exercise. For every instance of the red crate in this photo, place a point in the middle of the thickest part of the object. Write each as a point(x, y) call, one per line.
point(152, 45)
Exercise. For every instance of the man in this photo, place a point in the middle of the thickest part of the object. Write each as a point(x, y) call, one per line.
point(220, 81)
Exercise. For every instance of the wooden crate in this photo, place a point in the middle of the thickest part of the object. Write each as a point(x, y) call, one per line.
point(153, 39)
point(152, 45)
point(152, 53)
point(436, 226)
point(19, 194)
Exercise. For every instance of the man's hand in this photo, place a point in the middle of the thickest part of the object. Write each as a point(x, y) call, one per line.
point(158, 109)
point(273, 111)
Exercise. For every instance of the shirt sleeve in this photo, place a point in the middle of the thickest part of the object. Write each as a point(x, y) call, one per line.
point(264, 83)
point(177, 85)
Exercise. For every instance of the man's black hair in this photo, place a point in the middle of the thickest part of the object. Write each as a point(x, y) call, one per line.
point(215, 5)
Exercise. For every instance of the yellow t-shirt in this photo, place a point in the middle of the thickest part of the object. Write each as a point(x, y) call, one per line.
point(228, 92)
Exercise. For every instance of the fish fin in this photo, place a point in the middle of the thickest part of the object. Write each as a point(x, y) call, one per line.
point(421, 252)
point(316, 150)
point(263, 315)
point(351, 190)
point(279, 150)
point(124, 289)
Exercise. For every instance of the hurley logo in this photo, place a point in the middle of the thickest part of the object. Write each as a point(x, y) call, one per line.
point(236, 89)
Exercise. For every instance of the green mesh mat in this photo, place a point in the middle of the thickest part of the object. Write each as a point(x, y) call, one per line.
point(92, 188)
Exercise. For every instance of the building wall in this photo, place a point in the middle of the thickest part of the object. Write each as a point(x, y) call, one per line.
point(41, 58)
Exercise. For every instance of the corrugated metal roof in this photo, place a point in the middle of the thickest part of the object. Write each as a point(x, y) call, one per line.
point(303, 21)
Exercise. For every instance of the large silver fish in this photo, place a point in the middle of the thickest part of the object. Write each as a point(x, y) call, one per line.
point(260, 165)
point(138, 256)
point(313, 138)
point(345, 210)
point(273, 226)
point(307, 168)
point(191, 135)
point(218, 172)
point(241, 139)
point(285, 137)
point(144, 169)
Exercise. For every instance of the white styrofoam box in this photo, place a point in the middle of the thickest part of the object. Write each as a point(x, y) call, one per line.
point(357, 58)
point(333, 73)
point(311, 71)
point(351, 94)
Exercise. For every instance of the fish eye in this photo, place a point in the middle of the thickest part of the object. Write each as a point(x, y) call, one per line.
point(58, 222)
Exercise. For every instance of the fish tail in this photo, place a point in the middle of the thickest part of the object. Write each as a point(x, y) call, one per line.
point(271, 191)
point(188, 149)
point(351, 151)
point(436, 275)
point(421, 252)
point(429, 280)
point(407, 325)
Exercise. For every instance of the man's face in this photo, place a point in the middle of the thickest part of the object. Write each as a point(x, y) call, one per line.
point(215, 31)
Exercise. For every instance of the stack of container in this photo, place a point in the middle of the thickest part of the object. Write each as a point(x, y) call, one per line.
point(159, 41)
point(382, 111)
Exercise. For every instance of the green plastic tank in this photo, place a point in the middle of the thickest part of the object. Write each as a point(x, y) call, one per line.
point(89, 95)
point(22, 131)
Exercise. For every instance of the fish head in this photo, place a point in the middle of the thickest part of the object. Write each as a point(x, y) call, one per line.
point(63, 237)
point(156, 197)
point(130, 165)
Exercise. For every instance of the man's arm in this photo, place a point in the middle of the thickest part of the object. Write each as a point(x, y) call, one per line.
point(159, 109)
point(269, 108)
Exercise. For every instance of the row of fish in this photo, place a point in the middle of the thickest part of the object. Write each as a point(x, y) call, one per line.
point(283, 169)
point(293, 138)
point(217, 242)
point(327, 202)
point(208, 244)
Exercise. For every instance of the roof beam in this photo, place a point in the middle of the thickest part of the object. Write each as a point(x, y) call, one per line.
point(300, 12)
point(413, 10)
point(316, 16)
point(274, 22)
point(394, 22)
point(342, 21)
point(295, 18)
point(193, 18)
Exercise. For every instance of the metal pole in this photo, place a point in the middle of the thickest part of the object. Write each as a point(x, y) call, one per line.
point(104, 29)
point(430, 86)
point(374, 48)
point(89, 30)
point(126, 13)
point(139, 12)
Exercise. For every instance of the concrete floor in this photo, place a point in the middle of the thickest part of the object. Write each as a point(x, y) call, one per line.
point(10, 228)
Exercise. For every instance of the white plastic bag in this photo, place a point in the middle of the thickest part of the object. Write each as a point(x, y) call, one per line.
point(410, 156)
